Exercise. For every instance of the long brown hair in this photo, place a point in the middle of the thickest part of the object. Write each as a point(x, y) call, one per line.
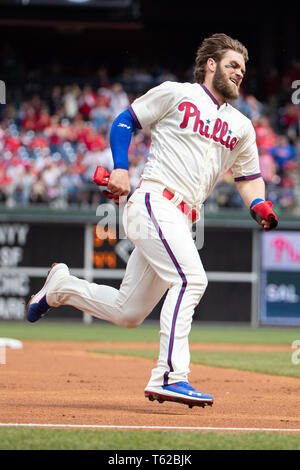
point(215, 47)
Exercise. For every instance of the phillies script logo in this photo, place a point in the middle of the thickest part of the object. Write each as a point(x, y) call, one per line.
point(220, 128)
point(283, 245)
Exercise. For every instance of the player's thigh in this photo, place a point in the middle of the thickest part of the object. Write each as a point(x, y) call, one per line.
point(166, 241)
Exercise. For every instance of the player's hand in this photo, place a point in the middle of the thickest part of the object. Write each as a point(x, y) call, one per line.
point(266, 225)
point(119, 184)
point(264, 215)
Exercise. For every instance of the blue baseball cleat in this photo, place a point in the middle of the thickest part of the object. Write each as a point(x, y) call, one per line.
point(181, 392)
point(37, 305)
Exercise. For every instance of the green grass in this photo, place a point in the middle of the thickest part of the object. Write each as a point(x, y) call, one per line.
point(59, 439)
point(266, 362)
point(101, 331)
point(276, 362)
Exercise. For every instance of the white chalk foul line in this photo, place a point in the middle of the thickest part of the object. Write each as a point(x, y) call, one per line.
point(170, 428)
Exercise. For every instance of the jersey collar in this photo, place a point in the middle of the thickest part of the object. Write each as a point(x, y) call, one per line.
point(211, 95)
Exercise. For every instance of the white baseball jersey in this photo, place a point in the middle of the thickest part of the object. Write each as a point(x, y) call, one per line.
point(194, 139)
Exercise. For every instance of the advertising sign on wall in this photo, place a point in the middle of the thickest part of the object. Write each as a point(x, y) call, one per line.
point(280, 278)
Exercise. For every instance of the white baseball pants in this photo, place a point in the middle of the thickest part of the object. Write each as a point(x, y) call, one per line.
point(165, 258)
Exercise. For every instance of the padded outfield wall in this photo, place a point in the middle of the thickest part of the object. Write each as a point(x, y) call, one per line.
point(254, 278)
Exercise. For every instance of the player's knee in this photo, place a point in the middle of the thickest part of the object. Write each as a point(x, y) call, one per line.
point(204, 281)
point(131, 324)
point(130, 321)
point(198, 283)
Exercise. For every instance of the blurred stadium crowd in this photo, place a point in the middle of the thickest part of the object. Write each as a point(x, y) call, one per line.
point(51, 140)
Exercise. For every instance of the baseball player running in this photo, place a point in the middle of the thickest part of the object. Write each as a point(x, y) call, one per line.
point(196, 137)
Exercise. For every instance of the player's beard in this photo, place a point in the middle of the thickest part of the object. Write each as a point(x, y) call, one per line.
point(220, 84)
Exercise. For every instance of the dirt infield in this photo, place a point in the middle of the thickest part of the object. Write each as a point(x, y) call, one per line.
point(61, 383)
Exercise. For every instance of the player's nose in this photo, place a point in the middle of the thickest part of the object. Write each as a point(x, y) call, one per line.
point(239, 74)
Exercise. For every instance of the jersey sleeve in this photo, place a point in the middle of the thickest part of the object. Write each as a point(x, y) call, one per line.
point(246, 165)
point(153, 105)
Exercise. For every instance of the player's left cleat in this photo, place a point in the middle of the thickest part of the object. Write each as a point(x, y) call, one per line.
point(181, 392)
point(37, 305)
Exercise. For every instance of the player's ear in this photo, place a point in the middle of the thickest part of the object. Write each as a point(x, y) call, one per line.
point(211, 64)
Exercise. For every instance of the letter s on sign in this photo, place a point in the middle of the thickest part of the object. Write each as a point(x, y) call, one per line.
point(296, 354)
point(296, 94)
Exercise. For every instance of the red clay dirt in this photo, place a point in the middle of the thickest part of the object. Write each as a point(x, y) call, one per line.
point(61, 383)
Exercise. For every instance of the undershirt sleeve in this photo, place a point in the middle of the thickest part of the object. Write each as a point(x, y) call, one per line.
point(120, 137)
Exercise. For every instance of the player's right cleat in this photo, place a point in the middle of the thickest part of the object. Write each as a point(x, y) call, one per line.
point(181, 392)
point(37, 305)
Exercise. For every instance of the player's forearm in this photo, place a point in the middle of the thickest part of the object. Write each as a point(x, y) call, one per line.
point(251, 189)
point(120, 138)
